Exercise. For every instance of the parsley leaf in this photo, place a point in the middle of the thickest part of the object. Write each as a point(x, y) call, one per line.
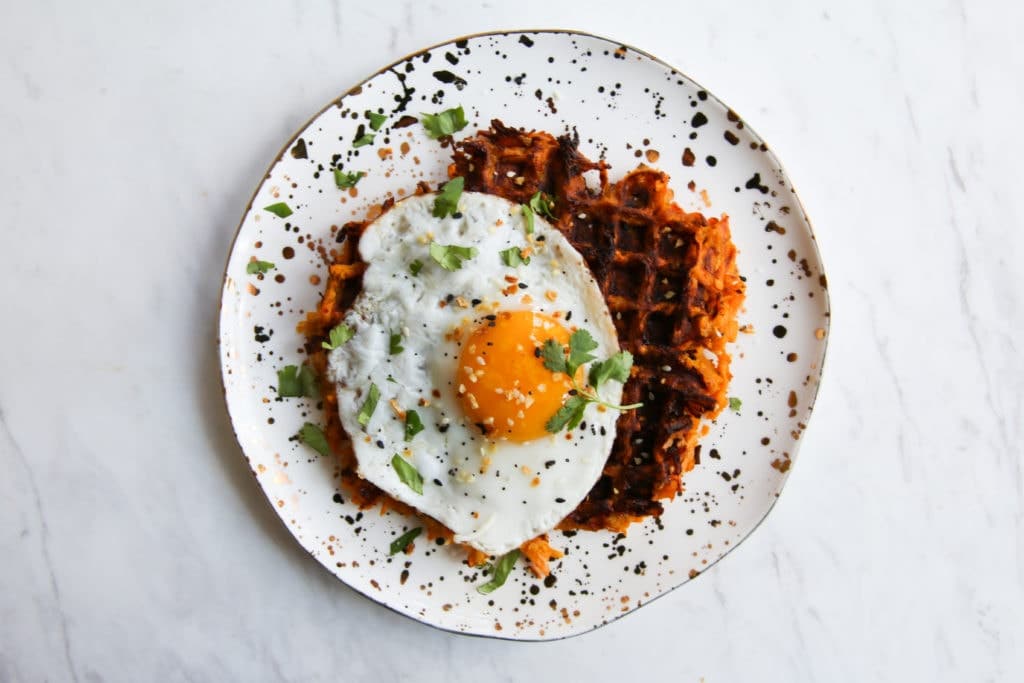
point(513, 257)
point(569, 415)
point(313, 436)
point(413, 425)
point(402, 542)
point(444, 123)
point(281, 210)
point(395, 343)
point(339, 335)
point(553, 355)
point(580, 346)
point(528, 219)
point(447, 201)
point(735, 404)
point(293, 382)
point(346, 180)
point(543, 204)
point(451, 256)
point(370, 405)
point(407, 474)
point(415, 267)
point(617, 367)
point(376, 120)
point(364, 140)
point(502, 568)
point(254, 267)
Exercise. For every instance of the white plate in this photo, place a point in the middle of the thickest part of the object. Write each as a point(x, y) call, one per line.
point(627, 107)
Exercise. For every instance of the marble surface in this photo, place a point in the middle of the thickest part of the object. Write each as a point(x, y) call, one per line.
point(133, 135)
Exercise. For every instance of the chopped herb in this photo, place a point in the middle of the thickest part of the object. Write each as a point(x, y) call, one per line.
point(254, 267)
point(447, 201)
point(415, 267)
point(339, 335)
point(413, 425)
point(345, 180)
point(735, 404)
point(528, 219)
point(543, 204)
point(444, 123)
point(293, 382)
point(313, 436)
point(402, 542)
point(281, 210)
point(502, 568)
point(376, 120)
point(395, 343)
point(451, 256)
point(363, 141)
point(513, 257)
point(370, 405)
point(617, 367)
point(391, 379)
point(407, 474)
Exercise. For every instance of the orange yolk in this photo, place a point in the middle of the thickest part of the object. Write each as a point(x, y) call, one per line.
point(503, 384)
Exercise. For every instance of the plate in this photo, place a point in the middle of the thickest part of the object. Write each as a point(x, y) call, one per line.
point(628, 108)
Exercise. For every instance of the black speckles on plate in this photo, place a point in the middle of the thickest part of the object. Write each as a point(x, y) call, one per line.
point(611, 94)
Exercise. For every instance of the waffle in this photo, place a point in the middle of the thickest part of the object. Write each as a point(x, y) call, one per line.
point(670, 280)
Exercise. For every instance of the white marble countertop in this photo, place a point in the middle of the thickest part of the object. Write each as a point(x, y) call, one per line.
point(133, 135)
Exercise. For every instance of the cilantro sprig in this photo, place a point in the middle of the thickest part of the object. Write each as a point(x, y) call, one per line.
point(407, 473)
point(345, 179)
point(338, 336)
point(499, 572)
point(447, 201)
point(568, 360)
point(415, 267)
point(445, 122)
point(735, 404)
point(364, 140)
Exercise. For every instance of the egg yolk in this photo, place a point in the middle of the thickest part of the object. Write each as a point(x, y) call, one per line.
point(502, 384)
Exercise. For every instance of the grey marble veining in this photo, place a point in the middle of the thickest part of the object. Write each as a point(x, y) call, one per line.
point(133, 136)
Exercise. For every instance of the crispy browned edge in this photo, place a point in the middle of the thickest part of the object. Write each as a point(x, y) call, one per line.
point(669, 278)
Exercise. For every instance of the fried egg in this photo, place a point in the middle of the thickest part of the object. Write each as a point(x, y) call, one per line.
point(448, 330)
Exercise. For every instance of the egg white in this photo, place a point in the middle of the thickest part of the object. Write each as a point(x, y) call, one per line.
point(498, 509)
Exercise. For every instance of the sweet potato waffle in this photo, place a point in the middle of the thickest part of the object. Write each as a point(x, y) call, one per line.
point(670, 281)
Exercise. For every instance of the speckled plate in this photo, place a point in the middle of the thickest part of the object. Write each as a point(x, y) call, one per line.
point(627, 107)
